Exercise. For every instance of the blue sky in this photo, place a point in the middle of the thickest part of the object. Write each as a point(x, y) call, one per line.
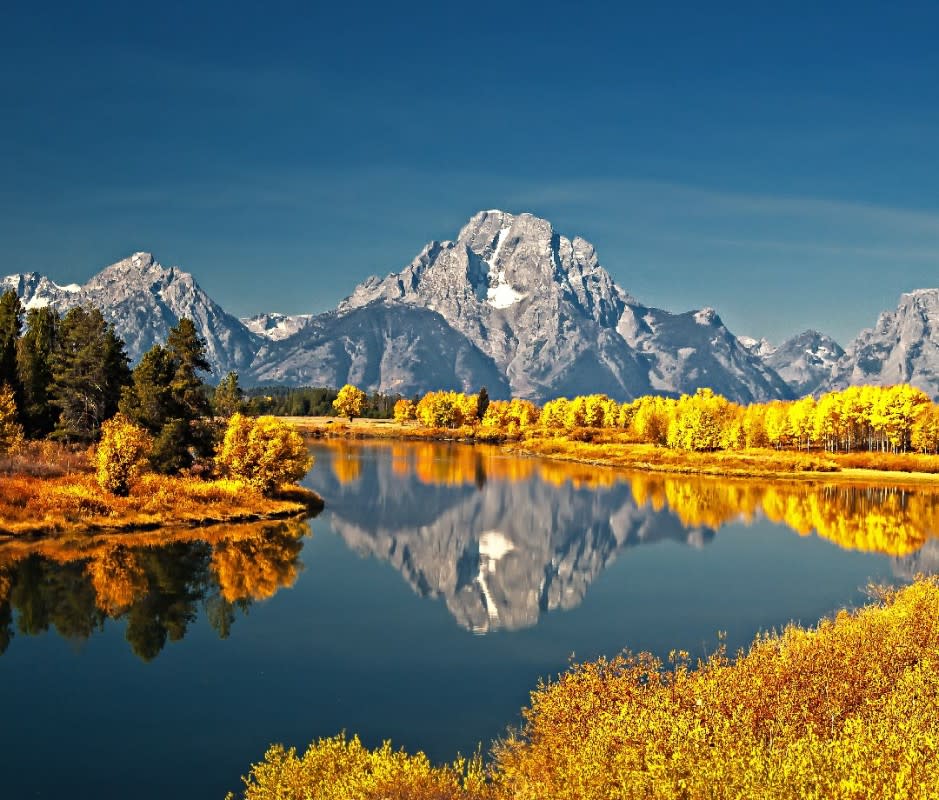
point(780, 166)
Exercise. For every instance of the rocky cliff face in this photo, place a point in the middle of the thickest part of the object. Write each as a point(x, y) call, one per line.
point(903, 347)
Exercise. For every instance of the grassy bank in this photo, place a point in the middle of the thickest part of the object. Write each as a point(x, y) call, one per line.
point(36, 505)
point(849, 709)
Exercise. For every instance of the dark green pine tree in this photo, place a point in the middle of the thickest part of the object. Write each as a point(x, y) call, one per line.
point(148, 400)
point(228, 398)
point(34, 367)
point(190, 395)
point(482, 403)
point(89, 370)
point(11, 323)
point(169, 399)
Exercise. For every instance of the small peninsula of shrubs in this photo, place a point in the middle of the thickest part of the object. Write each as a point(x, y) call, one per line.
point(87, 442)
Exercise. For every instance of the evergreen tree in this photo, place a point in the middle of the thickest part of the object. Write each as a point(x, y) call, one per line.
point(11, 323)
point(169, 400)
point(190, 398)
point(89, 368)
point(148, 400)
point(34, 368)
point(482, 403)
point(228, 398)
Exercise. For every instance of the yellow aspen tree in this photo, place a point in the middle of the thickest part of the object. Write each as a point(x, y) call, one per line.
point(350, 402)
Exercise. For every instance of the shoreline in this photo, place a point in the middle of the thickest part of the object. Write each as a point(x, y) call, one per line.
point(79, 510)
point(743, 464)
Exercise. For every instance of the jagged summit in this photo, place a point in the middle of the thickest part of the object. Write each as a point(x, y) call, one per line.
point(553, 320)
point(902, 347)
point(805, 361)
point(144, 300)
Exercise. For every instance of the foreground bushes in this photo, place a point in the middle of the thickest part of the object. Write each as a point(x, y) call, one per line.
point(848, 710)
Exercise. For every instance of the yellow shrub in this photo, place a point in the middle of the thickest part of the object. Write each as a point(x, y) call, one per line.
point(263, 451)
point(405, 411)
point(120, 455)
point(341, 769)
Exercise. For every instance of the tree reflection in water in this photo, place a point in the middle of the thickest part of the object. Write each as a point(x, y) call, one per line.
point(157, 588)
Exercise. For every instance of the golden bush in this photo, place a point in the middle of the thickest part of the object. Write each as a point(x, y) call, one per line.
point(343, 769)
point(265, 452)
point(121, 454)
point(405, 411)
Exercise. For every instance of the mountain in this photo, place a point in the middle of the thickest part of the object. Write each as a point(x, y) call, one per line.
point(379, 347)
point(805, 362)
point(509, 304)
point(144, 300)
point(541, 309)
point(903, 347)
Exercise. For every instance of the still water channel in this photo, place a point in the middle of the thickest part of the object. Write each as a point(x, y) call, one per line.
point(440, 583)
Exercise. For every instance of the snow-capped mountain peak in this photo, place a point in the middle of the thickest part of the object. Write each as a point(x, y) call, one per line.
point(144, 299)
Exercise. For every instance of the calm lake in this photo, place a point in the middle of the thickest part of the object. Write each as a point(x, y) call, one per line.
point(440, 583)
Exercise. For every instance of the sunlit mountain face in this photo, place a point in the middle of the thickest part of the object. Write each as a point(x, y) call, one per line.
point(504, 539)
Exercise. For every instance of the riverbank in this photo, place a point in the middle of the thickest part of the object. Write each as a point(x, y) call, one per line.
point(611, 449)
point(44, 505)
point(785, 719)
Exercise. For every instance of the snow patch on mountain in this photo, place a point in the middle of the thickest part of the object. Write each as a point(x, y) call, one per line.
point(277, 327)
point(144, 299)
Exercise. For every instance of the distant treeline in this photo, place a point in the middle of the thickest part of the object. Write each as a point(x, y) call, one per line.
point(314, 401)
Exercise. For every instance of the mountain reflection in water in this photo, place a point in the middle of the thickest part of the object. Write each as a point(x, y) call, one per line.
point(504, 539)
point(156, 581)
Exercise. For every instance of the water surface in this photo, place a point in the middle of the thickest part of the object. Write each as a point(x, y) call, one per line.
point(441, 582)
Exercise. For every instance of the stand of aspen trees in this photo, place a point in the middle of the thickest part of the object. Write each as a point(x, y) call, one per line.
point(897, 419)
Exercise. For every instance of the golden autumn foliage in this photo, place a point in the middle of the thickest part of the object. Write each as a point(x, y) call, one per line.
point(447, 409)
point(31, 505)
point(343, 769)
point(350, 402)
point(405, 411)
point(848, 710)
point(883, 419)
point(121, 455)
point(265, 452)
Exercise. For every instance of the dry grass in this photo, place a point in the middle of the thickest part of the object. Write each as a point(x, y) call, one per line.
point(46, 458)
point(889, 462)
point(33, 505)
point(607, 451)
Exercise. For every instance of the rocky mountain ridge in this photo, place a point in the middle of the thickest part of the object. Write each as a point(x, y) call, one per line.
point(510, 304)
